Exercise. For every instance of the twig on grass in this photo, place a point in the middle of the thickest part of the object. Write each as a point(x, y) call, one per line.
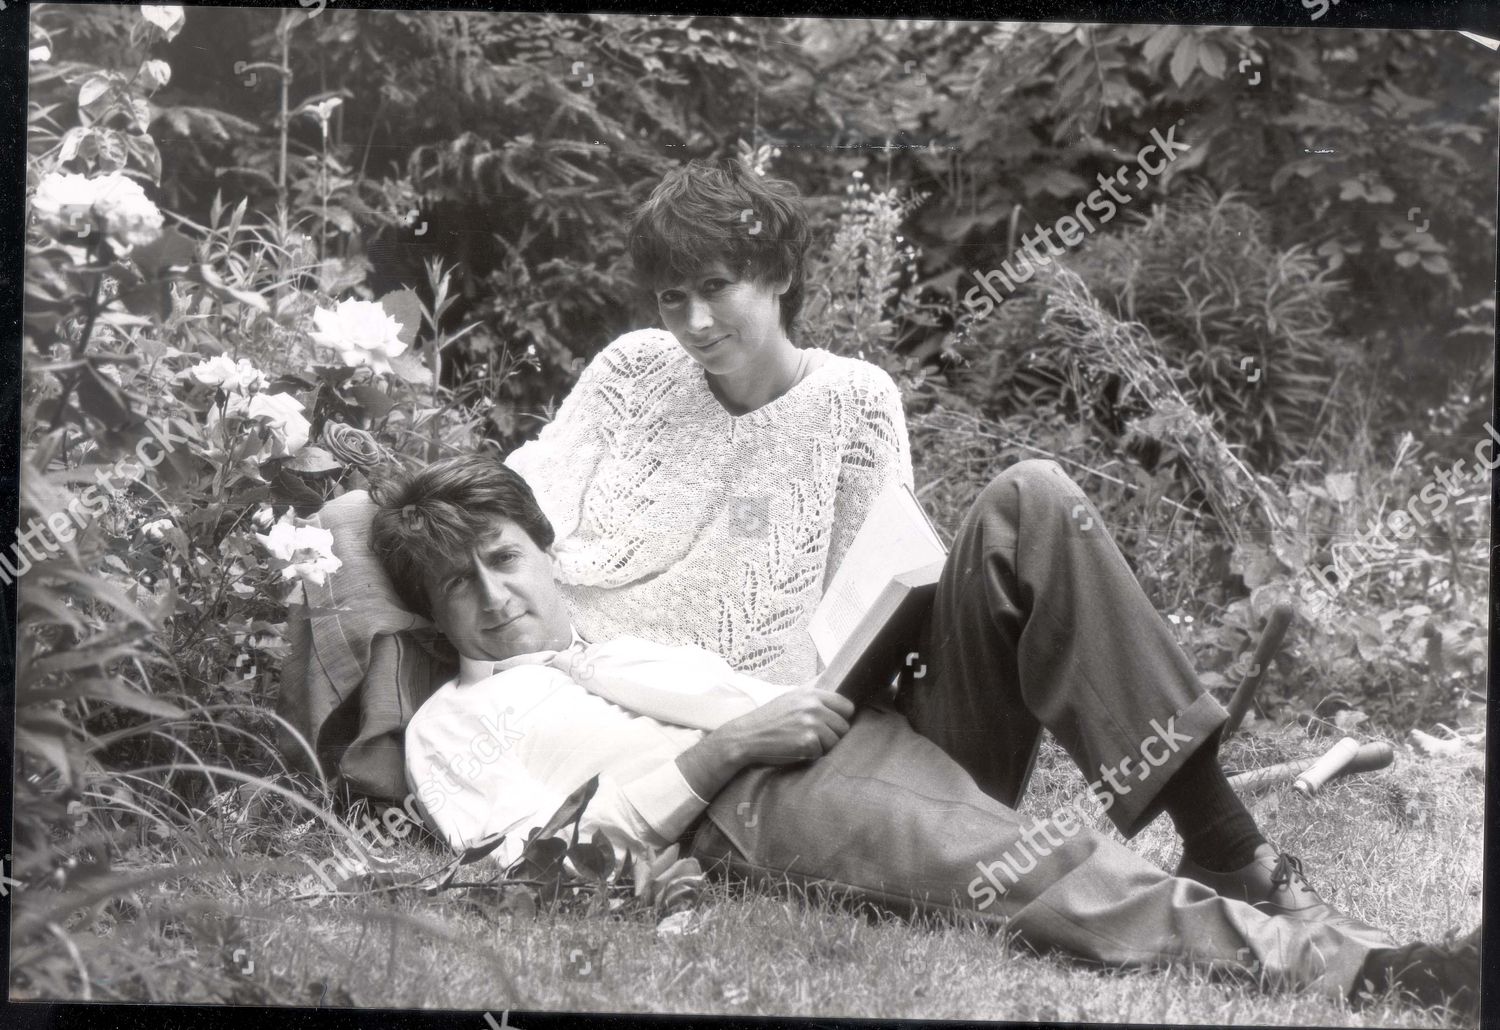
point(433, 889)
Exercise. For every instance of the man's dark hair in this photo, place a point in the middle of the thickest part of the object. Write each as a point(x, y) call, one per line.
point(702, 213)
point(434, 517)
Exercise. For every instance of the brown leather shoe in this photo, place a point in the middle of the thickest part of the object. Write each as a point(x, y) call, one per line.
point(1274, 883)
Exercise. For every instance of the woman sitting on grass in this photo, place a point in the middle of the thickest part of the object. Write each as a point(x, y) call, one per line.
point(705, 481)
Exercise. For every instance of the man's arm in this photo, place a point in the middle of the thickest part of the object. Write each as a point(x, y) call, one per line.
point(795, 727)
point(465, 764)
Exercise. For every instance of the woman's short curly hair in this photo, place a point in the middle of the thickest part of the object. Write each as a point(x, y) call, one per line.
point(705, 212)
point(434, 517)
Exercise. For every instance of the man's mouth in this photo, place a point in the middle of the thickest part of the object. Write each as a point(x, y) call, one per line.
point(502, 624)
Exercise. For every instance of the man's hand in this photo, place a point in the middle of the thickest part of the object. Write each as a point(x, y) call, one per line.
point(793, 727)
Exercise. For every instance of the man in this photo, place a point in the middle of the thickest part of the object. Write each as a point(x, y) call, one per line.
point(789, 783)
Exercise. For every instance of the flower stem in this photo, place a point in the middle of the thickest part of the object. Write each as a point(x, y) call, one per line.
point(71, 383)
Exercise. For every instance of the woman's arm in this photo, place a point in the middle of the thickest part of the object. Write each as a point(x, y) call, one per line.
point(560, 463)
point(874, 453)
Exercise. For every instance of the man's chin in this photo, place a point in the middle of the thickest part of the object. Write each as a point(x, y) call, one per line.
point(514, 642)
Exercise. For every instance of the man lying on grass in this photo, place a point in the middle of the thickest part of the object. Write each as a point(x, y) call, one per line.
point(788, 783)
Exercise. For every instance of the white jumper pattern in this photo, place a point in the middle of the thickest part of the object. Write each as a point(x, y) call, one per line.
point(679, 522)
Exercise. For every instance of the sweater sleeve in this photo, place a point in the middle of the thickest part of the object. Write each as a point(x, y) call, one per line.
point(561, 462)
point(874, 453)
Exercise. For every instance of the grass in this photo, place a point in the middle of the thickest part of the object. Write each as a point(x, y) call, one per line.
point(1400, 848)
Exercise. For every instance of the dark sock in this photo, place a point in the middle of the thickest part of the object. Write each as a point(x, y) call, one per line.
point(1217, 831)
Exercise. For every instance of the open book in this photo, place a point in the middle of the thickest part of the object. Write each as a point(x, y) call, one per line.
point(870, 618)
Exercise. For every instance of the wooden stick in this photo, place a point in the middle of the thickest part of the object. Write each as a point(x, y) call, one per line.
point(1327, 767)
point(1375, 754)
point(1270, 643)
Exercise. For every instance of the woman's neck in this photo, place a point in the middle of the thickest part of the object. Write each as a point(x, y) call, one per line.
point(759, 383)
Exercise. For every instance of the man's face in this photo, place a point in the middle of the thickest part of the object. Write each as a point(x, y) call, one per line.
point(501, 600)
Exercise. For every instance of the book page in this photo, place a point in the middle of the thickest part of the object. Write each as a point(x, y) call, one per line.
point(896, 537)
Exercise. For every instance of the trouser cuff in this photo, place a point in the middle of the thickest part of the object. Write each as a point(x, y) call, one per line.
point(1161, 753)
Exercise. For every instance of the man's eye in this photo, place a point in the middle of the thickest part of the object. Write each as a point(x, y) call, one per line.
point(455, 583)
point(502, 559)
point(712, 286)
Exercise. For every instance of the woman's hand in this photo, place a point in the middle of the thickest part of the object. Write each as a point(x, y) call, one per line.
point(796, 726)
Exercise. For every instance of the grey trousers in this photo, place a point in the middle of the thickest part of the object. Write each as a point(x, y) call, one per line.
point(1038, 623)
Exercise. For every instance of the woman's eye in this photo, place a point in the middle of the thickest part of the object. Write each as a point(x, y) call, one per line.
point(669, 298)
point(712, 286)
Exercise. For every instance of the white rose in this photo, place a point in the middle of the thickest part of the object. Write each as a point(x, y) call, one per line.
point(39, 54)
point(264, 517)
point(308, 548)
point(66, 204)
point(167, 17)
point(362, 331)
point(63, 203)
point(127, 214)
point(229, 375)
point(281, 411)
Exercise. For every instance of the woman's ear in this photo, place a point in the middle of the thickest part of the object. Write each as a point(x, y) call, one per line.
point(780, 286)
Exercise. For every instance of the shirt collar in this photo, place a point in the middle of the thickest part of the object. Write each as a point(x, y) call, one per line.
point(472, 670)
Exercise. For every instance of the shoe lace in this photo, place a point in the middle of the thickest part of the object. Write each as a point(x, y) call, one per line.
point(1288, 871)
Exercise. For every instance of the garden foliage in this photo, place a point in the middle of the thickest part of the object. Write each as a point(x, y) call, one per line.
point(344, 241)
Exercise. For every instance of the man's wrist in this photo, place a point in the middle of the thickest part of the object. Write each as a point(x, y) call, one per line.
point(710, 763)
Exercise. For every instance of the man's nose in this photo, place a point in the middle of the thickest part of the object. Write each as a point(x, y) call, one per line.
point(494, 594)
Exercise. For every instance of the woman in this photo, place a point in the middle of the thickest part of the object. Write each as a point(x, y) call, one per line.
point(704, 481)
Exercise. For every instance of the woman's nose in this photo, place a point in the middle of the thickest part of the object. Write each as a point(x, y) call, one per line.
point(699, 317)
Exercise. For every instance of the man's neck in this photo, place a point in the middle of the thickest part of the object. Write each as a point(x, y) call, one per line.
point(472, 670)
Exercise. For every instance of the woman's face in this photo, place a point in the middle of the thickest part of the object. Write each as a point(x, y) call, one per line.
point(725, 322)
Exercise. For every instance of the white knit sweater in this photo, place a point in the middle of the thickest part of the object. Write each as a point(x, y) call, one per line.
point(679, 522)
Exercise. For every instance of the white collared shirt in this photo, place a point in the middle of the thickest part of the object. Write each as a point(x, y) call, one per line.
point(498, 749)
